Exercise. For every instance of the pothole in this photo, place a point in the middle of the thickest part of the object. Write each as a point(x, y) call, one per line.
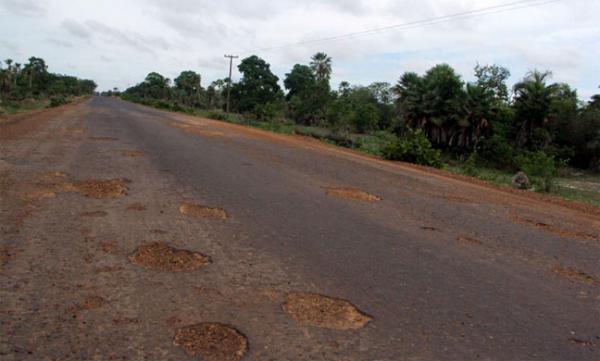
point(132, 153)
point(162, 257)
point(469, 241)
point(351, 193)
point(109, 247)
point(90, 303)
point(575, 275)
point(322, 311)
point(94, 214)
point(136, 207)
point(212, 342)
point(112, 188)
point(199, 211)
point(553, 229)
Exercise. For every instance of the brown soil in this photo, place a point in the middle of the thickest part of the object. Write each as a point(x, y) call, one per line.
point(109, 247)
point(132, 153)
point(199, 211)
point(553, 229)
point(112, 188)
point(351, 193)
point(103, 138)
point(326, 312)
point(136, 207)
point(196, 130)
point(162, 257)
point(212, 342)
point(94, 214)
point(91, 303)
point(575, 275)
point(469, 241)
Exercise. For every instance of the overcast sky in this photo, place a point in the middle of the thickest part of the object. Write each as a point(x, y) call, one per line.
point(117, 42)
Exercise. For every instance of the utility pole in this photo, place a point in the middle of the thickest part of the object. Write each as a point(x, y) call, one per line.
point(231, 57)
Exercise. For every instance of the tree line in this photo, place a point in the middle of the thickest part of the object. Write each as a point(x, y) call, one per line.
point(420, 116)
point(32, 80)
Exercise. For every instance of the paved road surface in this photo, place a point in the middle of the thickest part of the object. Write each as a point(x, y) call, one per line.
point(448, 270)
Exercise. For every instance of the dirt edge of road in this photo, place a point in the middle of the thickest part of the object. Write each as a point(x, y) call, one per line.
point(17, 125)
point(307, 142)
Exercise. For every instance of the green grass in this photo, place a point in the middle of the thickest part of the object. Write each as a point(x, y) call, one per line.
point(28, 105)
point(581, 187)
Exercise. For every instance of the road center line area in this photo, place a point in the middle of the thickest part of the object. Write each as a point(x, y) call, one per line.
point(128, 233)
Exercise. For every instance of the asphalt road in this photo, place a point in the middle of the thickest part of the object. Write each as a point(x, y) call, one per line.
point(447, 269)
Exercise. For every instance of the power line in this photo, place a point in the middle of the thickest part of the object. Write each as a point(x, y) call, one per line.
point(512, 6)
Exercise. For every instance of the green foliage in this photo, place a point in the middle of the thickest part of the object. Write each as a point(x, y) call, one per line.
point(258, 91)
point(493, 78)
point(32, 80)
point(413, 146)
point(538, 164)
point(57, 100)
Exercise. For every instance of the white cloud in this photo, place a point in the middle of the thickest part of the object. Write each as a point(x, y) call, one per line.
point(139, 36)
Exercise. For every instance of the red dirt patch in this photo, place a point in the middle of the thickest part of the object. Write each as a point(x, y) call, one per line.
point(132, 153)
point(198, 211)
point(99, 189)
point(162, 257)
point(109, 247)
point(469, 241)
point(212, 342)
point(575, 275)
point(351, 193)
point(553, 229)
point(322, 311)
point(136, 207)
point(90, 303)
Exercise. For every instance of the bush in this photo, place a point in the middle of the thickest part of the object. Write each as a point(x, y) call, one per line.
point(540, 165)
point(498, 152)
point(57, 100)
point(414, 147)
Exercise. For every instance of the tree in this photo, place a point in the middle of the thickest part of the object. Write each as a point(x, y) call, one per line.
point(258, 87)
point(493, 78)
point(321, 66)
point(188, 83)
point(299, 81)
point(533, 99)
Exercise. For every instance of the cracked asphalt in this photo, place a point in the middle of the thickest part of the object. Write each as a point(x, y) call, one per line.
point(444, 268)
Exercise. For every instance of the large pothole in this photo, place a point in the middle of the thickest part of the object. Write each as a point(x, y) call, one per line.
point(321, 311)
point(212, 342)
point(199, 211)
point(351, 193)
point(99, 189)
point(162, 257)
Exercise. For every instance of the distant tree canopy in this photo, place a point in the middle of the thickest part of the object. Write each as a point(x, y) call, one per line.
point(258, 91)
point(485, 116)
point(32, 80)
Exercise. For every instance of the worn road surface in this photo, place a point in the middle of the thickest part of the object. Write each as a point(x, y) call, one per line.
point(444, 269)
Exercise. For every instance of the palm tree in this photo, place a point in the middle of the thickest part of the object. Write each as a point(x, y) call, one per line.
point(321, 66)
point(533, 98)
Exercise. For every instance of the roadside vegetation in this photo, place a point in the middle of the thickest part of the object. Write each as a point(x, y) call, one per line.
point(30, 86)
point(481, 128)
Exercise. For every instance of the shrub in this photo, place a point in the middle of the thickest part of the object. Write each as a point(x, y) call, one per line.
point(57, 100)
point(540, 165)
point(414, 147)
point(497, 151)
